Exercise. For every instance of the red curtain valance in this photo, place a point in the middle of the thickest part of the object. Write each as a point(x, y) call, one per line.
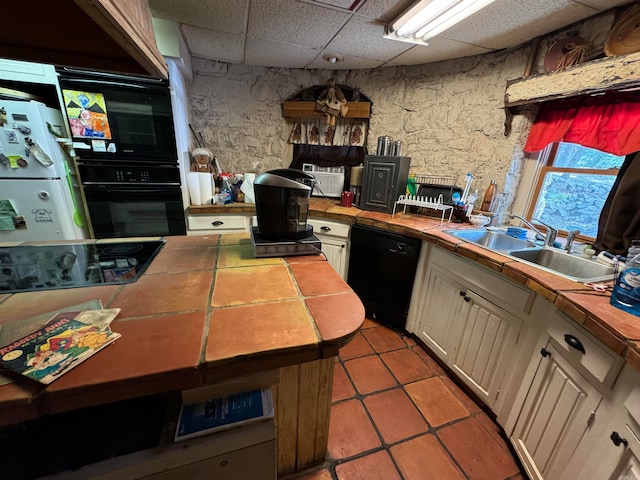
point(610, 123)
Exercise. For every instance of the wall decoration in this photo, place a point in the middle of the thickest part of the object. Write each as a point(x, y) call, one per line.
point(87, 114)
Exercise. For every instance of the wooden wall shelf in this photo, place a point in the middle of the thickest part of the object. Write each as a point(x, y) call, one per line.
point(598, 76)
point(294, 109)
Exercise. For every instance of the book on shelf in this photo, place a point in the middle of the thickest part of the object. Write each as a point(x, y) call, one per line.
point(202, 418)
point(62, 343)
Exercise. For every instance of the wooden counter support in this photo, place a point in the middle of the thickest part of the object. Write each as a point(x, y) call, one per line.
point(303, 404)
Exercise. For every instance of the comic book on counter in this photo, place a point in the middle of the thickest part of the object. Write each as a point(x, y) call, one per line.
point(203, 418)
point(62, 343)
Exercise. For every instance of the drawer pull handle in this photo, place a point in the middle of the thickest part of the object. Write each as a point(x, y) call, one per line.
point(224, 463)
point(325, 229)
point(463, 293)
point(217, 223)
point(467, 299)
point(544, 352)
point(573, 342)
point(617, 439)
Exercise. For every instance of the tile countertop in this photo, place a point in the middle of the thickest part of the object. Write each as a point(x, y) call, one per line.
point(204, 311)
point(617, 329)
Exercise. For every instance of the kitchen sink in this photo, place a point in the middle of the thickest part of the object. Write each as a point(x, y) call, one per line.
point(567, 265)
point(491, 239)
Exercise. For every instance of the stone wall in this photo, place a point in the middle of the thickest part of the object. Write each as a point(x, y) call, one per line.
point(449, 114)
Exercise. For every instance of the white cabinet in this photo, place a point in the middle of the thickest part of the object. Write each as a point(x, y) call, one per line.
point(572, 373)
point(211, 224)
point(614, 454)
point(334, 237)
point(472, 319)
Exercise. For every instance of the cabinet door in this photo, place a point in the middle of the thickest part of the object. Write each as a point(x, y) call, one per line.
point(483, 351)
point(336, 253)
point(385, 179)
point(439, 325)
point(556, 414)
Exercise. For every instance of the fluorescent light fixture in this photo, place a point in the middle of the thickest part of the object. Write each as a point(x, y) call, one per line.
point(429, 18)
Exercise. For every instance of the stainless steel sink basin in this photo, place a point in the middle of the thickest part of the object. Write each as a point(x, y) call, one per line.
point(569, 266)
point(492, 240)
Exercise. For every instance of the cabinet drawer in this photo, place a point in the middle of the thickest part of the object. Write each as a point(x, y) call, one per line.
point(325, 227)
point(217, 222)
point(597, 361)
point(501, 291)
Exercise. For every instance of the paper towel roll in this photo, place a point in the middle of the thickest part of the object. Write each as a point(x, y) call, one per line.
point(206, 187)
point(193, 184)
point(247, 188)
point(356, 175)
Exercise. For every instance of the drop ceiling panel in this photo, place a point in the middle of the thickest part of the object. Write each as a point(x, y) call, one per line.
point(384, 10)
point(363, 37)
point(507, 23)
point(294, 22)
point(226, 16)
point(350, 62)
point(273, 54)
point(439, 49)
point(224, 47)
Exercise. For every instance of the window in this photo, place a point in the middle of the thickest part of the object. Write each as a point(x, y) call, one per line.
point(573, 186)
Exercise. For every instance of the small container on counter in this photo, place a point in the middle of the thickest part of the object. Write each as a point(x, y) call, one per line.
point(397, 147)
point(384, 145)
point(346, 199)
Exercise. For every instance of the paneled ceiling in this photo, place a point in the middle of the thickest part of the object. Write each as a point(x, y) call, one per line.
point(299, 33)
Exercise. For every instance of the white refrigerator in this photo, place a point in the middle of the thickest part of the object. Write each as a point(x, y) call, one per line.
point(39, 196)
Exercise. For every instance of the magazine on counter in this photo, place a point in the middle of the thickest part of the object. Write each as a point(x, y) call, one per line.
point(203, 418)
point(59, 345)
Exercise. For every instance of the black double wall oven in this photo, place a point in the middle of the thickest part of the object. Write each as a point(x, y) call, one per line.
point(123, 137)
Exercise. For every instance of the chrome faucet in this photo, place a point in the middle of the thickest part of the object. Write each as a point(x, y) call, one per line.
point(571, 236)
point(549, 238)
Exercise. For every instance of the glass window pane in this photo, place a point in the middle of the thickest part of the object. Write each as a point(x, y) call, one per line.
point(570, 201)
point(571, 155)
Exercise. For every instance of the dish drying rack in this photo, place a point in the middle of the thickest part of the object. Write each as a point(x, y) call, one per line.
point(433, 203)
point(424, 202)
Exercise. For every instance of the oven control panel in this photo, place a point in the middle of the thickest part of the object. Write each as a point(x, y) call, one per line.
point(93, 173)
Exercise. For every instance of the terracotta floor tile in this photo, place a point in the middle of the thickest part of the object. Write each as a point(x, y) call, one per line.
point(164, 293)
point(431, 363)
point(241, 255)
point(350, 430)
point(394, 415)
point(383, 339)
point(406, 365)
point(409, 341)
point(263, 327)
point(313, 279)
point(235, 286)
point(436, 402)
point(424, 454)
point(342, 386)
point(357, 347)
point(469, 404)
point(369, 374)
point(477, 452)
point(176, 259)
point(369, 323)
point(375, 466)
point(491, 427)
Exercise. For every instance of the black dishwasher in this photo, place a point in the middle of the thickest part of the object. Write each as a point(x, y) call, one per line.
point(382, 266)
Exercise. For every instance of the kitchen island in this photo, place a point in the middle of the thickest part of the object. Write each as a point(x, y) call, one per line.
point(207, 315)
